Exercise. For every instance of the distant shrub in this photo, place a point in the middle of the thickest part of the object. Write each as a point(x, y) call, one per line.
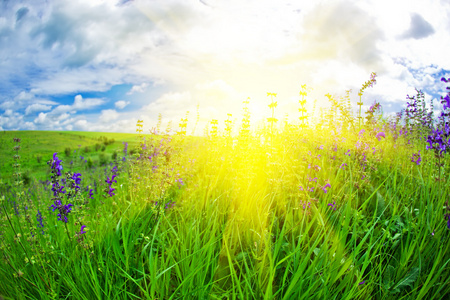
point(38, 158)
point(114, 155)
point(87, 149)
point(67, 151)
point(26, 178)
point(97, 147)
point(103, 148)
point(103, 160)
point(89, 162)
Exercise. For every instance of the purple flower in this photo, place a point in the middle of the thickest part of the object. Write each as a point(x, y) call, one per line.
point(76, 181)
point(56, 164)
point(110, 181)
point(416, 158)
point(180, 182)
point(64, 210)
point(40, 220)
point(91, 194)
point(343, 166)
point(332, 205)
point(110, 191)
point(379, 135)
point(446, 101)
point(325, 188)
point(82, 229)
point(362, 282)
point(57, 189)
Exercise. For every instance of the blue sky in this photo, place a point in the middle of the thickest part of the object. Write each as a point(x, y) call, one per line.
point(102, 65)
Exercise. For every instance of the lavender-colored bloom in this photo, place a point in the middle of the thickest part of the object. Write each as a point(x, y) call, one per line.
point(125, 148)
point(110, 181)
point(325, 188)
point(76, 181)
point(82, 229)
point(90, 196)
point(114, 170)
point(40, 220)
point(343, 166)
point(64, 210)
point(437, 141)
point(180, 182)
point(416, 158)
point(170, 204)
point(332, 205)
point(362, 282)
point(57, 189)
point(379, 135)
point(110, 191)
point(446, 101)
point(56, 164)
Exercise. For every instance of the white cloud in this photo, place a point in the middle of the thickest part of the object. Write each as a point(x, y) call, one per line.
point(108, 115)
point(41, 118)
point(121, 104)
point(29, 126)
point(81, 124)
point(211, 53)
point(138, 88)
point(36, 107)
point(82, 104)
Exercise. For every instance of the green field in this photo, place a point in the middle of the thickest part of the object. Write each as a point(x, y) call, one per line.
point(40, 146)
point(350, 208)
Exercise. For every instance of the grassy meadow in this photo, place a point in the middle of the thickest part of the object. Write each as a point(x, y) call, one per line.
point(353, 207)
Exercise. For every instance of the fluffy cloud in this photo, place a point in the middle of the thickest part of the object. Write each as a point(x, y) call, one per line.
point(419, 28)
point(121, 104)
point(41, 118)
point(82, 104)
point(36, 107)
point(138, 88)
point(108, 115)
point(208, 53)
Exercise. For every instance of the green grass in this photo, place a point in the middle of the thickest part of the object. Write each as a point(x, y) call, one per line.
point(241, 227)
point(40, 146)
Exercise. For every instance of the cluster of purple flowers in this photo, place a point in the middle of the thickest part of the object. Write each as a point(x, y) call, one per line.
point(438, 140)
point(305, 204)
point(380, 135)
point(40, 221)
point(110, 190)
point(58, 190)
point(324, 189)
point(332, 205)
point(416, 158)
point(64, 210)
